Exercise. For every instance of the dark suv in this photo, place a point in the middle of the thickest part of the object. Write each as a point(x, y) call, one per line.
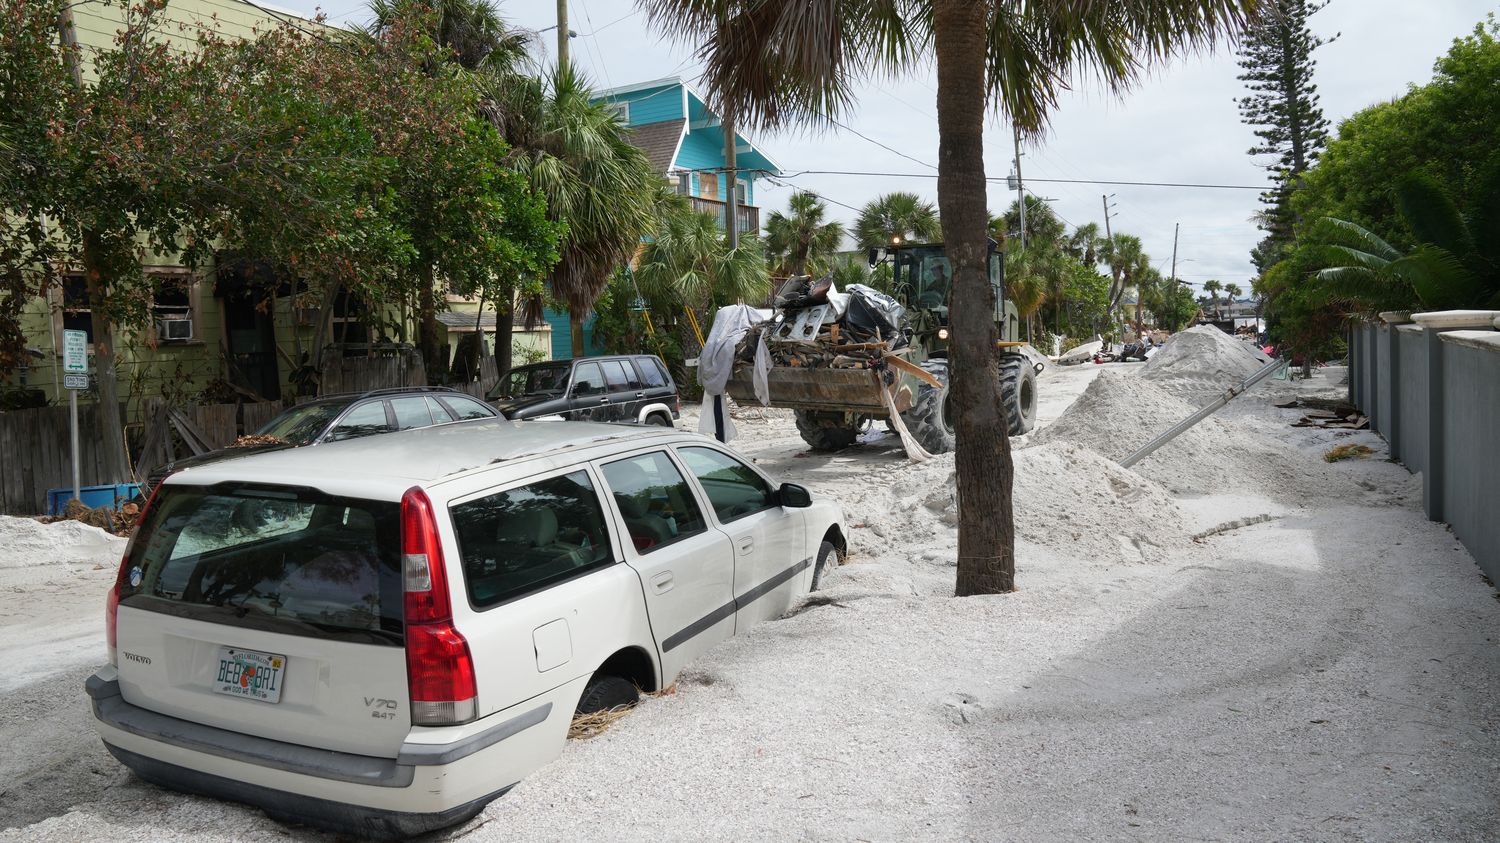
point(627, 388)
point(346, 416)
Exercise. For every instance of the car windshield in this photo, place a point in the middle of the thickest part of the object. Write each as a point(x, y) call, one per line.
point(302, 424)
point(545, 379)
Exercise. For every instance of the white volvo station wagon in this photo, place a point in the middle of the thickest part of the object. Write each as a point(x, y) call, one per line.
point(380, 636)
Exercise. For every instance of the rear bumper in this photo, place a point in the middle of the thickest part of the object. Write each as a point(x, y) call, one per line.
point(427, 787)
point(359, 821)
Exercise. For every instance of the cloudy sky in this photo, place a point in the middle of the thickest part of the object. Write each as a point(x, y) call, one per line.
point(1180, 125)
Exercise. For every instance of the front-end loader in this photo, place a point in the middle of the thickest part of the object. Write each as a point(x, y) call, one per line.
point(836, 381)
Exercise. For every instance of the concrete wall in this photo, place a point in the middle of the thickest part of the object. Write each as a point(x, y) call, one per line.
point(1435, 397)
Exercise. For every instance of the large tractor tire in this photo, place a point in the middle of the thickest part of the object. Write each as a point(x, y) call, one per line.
point(827, 431)
point(1018, 392)
point(930, 419)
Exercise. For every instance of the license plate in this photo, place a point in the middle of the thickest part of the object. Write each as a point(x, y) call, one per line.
point(249, 674)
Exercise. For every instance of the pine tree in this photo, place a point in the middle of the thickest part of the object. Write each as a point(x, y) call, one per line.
point(1283, 105)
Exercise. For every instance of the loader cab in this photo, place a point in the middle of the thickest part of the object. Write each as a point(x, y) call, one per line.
point(923, 282)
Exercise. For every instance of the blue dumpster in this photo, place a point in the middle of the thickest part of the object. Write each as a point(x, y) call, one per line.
point(92, 496)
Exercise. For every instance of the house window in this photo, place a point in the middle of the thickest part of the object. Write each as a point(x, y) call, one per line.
point(174, 314)
point(708, 185)
point(76, 313)
point(741, 192)
point(350, 319)
point(621, 110)
point(684, 184)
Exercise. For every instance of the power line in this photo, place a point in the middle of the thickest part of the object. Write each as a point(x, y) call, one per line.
point(607, 25)
point(878, 143)
point(1044, 181)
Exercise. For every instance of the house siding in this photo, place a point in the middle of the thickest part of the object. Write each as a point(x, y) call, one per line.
point(652, 105)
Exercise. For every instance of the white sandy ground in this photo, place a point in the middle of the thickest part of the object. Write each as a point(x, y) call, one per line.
point(1332, 673)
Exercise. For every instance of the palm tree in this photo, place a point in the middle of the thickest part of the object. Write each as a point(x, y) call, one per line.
point(1125, 254)
point(1453, 265)
point(800, 240)
point(1212, 287)
point(688, 263)
point(1232, 292)
point(1085, 244)
point(774, 62)
point(896, 218)
point(472, 29)
point(579, 156)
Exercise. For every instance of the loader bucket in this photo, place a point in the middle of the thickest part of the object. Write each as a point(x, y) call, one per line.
point(817, 389)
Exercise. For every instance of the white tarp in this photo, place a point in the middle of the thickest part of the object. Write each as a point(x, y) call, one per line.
point(716, 364)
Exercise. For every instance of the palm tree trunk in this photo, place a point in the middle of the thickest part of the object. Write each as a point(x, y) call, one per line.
point(575, 328)
point(986, 532)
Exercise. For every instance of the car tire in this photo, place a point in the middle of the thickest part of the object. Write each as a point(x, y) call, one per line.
point(659, 420)
point(606, 692)
point(828, 559)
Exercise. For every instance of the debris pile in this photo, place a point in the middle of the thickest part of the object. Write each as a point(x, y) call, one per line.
point(1202, 362)
point(815, 326)
point(1326, 414)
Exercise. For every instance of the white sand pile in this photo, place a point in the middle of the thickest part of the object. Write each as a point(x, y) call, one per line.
point(1119, 413)
point(1068, 499)
point(1202, 362)
point(25, 542)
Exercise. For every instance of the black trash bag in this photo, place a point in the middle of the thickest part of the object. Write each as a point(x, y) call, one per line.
point(872, 313)
point(801, 291)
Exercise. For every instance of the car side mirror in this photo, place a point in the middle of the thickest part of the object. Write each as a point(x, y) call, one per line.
point(874, 256)
point(794, 496)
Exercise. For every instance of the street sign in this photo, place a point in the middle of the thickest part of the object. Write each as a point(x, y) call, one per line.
point(75, 353)
point(75, 381)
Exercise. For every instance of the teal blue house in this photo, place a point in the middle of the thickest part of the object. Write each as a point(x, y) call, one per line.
point(684, 141)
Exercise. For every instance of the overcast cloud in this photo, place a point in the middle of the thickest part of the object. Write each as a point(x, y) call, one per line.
point(1181, 125)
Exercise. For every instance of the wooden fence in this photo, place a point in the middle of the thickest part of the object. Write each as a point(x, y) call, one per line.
point(361, 374)
point(35, 455)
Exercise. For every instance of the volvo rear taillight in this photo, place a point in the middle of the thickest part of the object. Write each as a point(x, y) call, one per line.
point(112, 602)
point(439, 668)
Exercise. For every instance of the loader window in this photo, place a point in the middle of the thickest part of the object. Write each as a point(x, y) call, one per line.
point(927, 276)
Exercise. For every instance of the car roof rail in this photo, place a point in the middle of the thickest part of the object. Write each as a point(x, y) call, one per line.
point(392, 390)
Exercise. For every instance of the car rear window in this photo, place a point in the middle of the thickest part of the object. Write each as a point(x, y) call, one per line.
point(651, 372)
point(283, 559)
point(523, 539)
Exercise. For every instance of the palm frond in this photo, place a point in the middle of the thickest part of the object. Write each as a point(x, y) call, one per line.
point(1431, 214)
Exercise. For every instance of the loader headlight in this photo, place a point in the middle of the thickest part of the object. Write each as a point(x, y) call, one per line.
point(942, 333)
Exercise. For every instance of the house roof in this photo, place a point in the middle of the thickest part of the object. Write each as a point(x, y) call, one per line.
point(699, 118)
point(660, 142)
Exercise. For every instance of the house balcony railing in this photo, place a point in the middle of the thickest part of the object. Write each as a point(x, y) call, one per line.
point(747, 216)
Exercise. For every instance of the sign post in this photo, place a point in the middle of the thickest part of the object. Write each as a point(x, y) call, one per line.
point(75, 377)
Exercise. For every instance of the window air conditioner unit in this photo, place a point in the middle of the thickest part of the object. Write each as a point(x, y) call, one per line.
point(175, 329)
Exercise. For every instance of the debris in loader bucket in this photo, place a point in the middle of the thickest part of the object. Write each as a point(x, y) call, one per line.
point(841, 360)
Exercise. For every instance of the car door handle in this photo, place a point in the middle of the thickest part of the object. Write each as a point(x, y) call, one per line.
point(640, 395)
point(604, 400)
point(662, 583)
point(746, 544)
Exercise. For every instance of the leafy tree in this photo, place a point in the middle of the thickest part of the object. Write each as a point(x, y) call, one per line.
point(896, 217)
point(1284, 106)
point(803, 240)
point(1174, 305)
point(776, 62)
point(1446, 128)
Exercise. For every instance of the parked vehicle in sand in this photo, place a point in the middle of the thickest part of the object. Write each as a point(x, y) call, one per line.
point(883, 355)
point(622, 388)
point(333, 418)
point(381, 636)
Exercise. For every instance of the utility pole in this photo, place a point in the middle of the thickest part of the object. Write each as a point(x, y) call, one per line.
point(1176, 227)
point(562, 34)
point(731, 195)
point(1108, 235)
point(1020, 186)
